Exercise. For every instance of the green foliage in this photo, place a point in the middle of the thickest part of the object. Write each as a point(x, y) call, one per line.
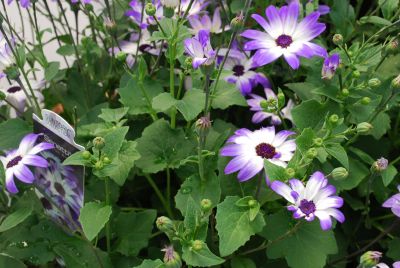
point(200, 258)
point(12, 131)
point(226, 95)
point(15, 218)
point(93, 217)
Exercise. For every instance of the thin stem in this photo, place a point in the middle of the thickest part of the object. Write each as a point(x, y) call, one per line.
point(159, 194)
point(108, 224)
point(168, 187)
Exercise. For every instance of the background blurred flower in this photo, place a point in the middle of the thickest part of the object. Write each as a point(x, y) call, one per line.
point(331, 63)
point(6, 55)
point(198, 7)
point(16, 161)
point(250, 149)
point(285, 36)
point(141, 18)
point(205, 23)
point(199, 48)
point(22, 3)
point(394, 203)
point(314, 200)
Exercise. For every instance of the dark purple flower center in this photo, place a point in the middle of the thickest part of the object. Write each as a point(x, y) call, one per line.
point(144, 48)
point(59, 188)
point(284, 40)
point(14, 89)
point(238, 70)
point(45, 203)
point(14, 161)
point(265, 150)
point(307, 207)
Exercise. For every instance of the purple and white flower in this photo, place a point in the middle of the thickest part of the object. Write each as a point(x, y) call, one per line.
point(213, 25)
point(331, 63)
point(396, 264)
point(242, 71)
point(85, 2)
point(261, 115)
point(251, 148)
point(22, 3)
point(141, 18)
point(16, 161)
point(199, 48)
point(170, 3)
point(198, 7)
point(285, 36)
point(6, 55)
point(394, 203)
point(316, 199)
point(322, 9)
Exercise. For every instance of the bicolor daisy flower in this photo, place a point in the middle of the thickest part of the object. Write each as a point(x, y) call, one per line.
point(316, 199)
point(213, 25)
point(242, 71)
point(251, 148)
point(261, 115)
point(199, 48)
point(331, 63)
point(141, 18)
point(16, 161)
point(394, 203)
point(285, 36)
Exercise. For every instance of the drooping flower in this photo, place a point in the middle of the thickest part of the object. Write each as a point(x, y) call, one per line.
point(285, 36)
point(213, 25)
point(394, 203)
point(242, 71)
point(331, 63)
point(17, 97)
point(16, 161)
point(260, 115)
point(199, 48)
point(141, 18)
point(251, 148)
point(316, 199)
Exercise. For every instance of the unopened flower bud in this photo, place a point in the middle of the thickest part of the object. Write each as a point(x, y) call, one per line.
point(197, 245)
point(106, 160)
point(189, 63)
point(334, 119)
point(252, 203)
point(340, 173)
point(365, 100)
point(99, 143)
point(380, 165)
point(345, 92)
point(311, 153)
point(356, 74)
point(393, 46)
point(171, 258)
point(337, 39)
point(205, 205)
point(12, 72)
point(364, 128)
point(86, 155)
point(99, 165)
point(3, 96)
point(109, 23)
point(290, 172)
point(281, 99)
point(318, 142)
point(150, 9)
point(237, 22)
point(164, 224)
point(264, 104)
point(203, 123)
point(370, 258)
point(396, 82)
point(374, 82)
point(121, 56)
point(89, 7)
point(170, 3)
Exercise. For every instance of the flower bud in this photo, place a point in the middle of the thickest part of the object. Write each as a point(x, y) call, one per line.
point(318, 142)
point(197, 245)
point(356, 74)
point(365, 100)
point(340, 173)
point(12, 72)
point(189, 63)
point(364, 128)
point(99, 143)
point(290, 172)
point(89, 7)
point(393, 46)
point(345, 92)
point(252, 203)
point(374, 82)
point(106, 160)
point(109, 23)
point(380, 165)
point(370, 258)
point(86, 155)
point(170, 3)
point(281, 99)
point(171, 258)
point(203, 123)
point(264, 104)
point(205, 205)
point(237, 22)
point(311, 153)
point(150, 9)
point(334, 119)
point(164, 224)
point(396, 82)
point(3, 96)
point(121, 56)
point(337, 39)
point(99, 165)
point(169, 12)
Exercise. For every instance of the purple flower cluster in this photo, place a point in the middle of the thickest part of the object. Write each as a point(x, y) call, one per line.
point(199, 48)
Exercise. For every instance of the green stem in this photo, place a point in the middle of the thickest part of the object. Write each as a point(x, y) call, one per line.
point(168, 187)
point(159, 194)
point(108, 224)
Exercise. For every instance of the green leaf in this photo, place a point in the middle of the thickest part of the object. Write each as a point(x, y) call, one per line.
point(11, 133)
point(200, 258)
point(119, 169)
point(15, 218)
point(375, 20)
point(234, 225)
point(226, 95)
point(357, 172)
point(311, 113)
point(114, 141)
point(132, 95)
point(51, 70)
point(192, 104)
point(161, 147)
point(66, 50)
point(388, 7)
point(93, 217)
point(193, 188)
point(133, 231)
point(151, 264)
point(303, 90)
point(343, 17)
point(164, 102)
point(192, 215)
point(113, 115)
point(274, 172)
point(338, 152)
point(9, 261)
point(388, 175)
point(308, 240)
point(305, 140)
point(381, 125)
point(76, 159)
point(394, 251)
point(241, 262)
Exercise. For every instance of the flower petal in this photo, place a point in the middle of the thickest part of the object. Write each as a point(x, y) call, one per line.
point(283, 190)
point(251, 169)
point(314, 184)
point(324, 219)
point(27, 143)
point(34, 160)
point(24, 174)
point(282, 136)
point(10, 184)
point(41, 147)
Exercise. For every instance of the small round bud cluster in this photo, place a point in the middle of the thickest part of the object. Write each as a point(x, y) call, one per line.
point(364, 128)
point(340, 173)
point(380, 165)
point(311, 153)
point(356, 74)
point(365, 101)
point(197, 245)
point(121, 56)
point(206, 205)
point(252, 203)
point(334, 119)
point(86, 155)
point(99, 143)
point(99, 165)
point(374, 82)
point(164, 224)
point(337, 39)
point(318, 142)
point(345, 92)
point(290, 172)
point(150, 9)
point(106, 160)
